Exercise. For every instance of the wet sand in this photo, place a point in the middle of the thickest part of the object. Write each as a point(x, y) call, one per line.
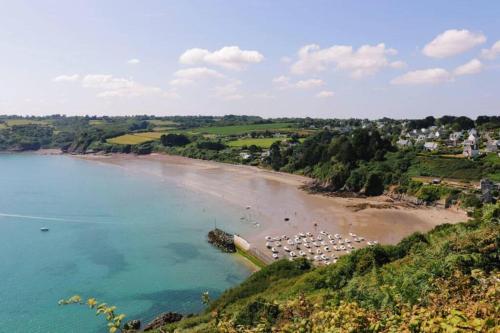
point(272, 196)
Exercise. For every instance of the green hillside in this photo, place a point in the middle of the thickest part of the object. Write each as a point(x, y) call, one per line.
point(444, 281)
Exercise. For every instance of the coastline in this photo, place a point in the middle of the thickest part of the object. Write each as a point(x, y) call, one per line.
point(267, 197)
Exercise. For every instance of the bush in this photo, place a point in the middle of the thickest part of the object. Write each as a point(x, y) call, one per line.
point(174, 140)
point(374, 185)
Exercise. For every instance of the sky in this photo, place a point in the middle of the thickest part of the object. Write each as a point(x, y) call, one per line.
point(326, 59)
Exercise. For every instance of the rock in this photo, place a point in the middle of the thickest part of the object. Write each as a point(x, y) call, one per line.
point(132, 325)
point(222, 240)
point(162, 320)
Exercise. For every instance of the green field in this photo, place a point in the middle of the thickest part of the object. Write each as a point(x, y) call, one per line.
point(242, 129)
point(129, 139)
point(15, 122)
point(261, 142)
point(162, 123)
point(97, 122)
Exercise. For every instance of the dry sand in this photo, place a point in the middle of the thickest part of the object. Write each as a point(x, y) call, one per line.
point(273, 196)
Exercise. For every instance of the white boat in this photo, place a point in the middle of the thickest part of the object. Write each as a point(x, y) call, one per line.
point(347, 240)
point(308, 234)
point(326, 248)
point(286, 249)
point(44, 229)
point(310, 251)
point(352, 235)
point(268, 245)
point(318, 251)
point(330, 237)
point(307, 245)
point(361, 239)
point(302, 253)
point(317, 258)
point(285, 237)
point(302, 235)
point(323, 243)
point(341, 241)
point(315, 244)
point(324, 257)
point(273, 250)
point(322, 232)
point(275, 256)
point(292, 254)
point(319, 238)
point(334, 261)
point(342, 248)
point(290, 242)
point(370, 243)
point(337, 236)
point(298, 241)
point(357, 240)
point(332, 242)
point(278, 244)
point(269, 238)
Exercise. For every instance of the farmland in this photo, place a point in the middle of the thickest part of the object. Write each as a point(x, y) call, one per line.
point(242, 129)
point(260, 142)
point(129, 139)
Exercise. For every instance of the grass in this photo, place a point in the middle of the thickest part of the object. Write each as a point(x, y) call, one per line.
point(457, 168)
point(242, 129)
point(15, 122)
point(254, 260)
point(260, 142)
point(97, 122)
point(162, 123)
point(129, 139)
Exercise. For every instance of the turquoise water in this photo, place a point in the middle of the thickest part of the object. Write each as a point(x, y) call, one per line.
point(130, 240)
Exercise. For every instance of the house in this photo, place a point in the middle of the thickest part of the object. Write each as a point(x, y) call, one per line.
point(431, 146)
point(421, 138)
point(492, 146)
point(472, 140)
point(245, 156)
point(471, 150)
point(402, 143)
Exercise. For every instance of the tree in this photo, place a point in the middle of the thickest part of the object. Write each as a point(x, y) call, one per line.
point(174, 140)
point(374, 185)
point(275, 156)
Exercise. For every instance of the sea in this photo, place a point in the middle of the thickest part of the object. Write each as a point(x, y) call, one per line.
point(131, 240)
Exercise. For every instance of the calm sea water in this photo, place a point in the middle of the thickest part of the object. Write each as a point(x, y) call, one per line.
point(128, 239)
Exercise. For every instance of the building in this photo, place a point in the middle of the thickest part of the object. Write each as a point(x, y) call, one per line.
point(492, 146)
point(402, 143)
point(431, 146)
point(471, 150)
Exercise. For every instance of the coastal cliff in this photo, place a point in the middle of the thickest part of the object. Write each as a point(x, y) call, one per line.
point(222, 240)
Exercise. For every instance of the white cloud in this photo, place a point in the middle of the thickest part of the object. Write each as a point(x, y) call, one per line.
point(491, 53)
point(398, 64)
point(453, 42)
point(191, 75)
point(424, 76)
point(66, 78)
point(229, 57)
point(310, 83)
point(472, 67)
point(229, 92)
point(283, 82)
point(133, 61)
point(366, 60)
point(286, 60)
point(111, 86)
point(325, 94)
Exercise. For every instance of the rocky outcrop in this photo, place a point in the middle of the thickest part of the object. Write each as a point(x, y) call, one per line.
point(222, 240)
point(162, 320)
point(132, 325)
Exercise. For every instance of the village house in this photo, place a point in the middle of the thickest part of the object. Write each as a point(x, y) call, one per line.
point(471, 150)
point(492, 146)
point(431, 146)
point(403, 143)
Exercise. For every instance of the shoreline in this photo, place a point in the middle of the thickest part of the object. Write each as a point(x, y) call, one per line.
point(268, 198)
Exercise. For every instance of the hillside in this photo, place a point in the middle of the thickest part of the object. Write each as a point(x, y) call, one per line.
point(444, 281)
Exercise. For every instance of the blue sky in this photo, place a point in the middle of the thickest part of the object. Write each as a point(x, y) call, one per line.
point(369, 59)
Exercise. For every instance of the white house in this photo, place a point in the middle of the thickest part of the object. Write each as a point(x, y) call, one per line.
point(492, 146)
point(402, 143)
point(431, 146)
point(471, 150)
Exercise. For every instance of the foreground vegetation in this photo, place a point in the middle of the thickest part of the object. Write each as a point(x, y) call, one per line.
point(447, 280)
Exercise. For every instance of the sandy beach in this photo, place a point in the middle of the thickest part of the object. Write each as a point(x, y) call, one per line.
point(268, 197)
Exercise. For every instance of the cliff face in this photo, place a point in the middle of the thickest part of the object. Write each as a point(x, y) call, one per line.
point(222, 240)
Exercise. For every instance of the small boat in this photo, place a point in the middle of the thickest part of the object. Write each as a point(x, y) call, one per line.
point(332, 242)
point(334, 261)
point(311, 239)
point(275, 256)
point(273, 250)
point(285, 237)
point(347, 240)
point(342, 248)
point(286, 249)
point(278, 244)
point(302, 253)
point(292, 254)
point(307, 245)
point(268, 245)
point(369, 243)
point(341, 241)
point(319, 238)
point(352, 235)
point(302, 235)
point(287, 219)
point(323, 243)
point(310, 251)
point(315, 244)
point(308, 234)
point(361, 239)
point(326, 248)
point(324, 257)
point(327, 263)
point(318, 251)
point(317, 258)
point(269, 238)
point(330, 237)
point(290, 242)
point(337, 236)
point(357, 240)
point(298, 241)
point(248, 207)
point(44, 229)
point(322, 232)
